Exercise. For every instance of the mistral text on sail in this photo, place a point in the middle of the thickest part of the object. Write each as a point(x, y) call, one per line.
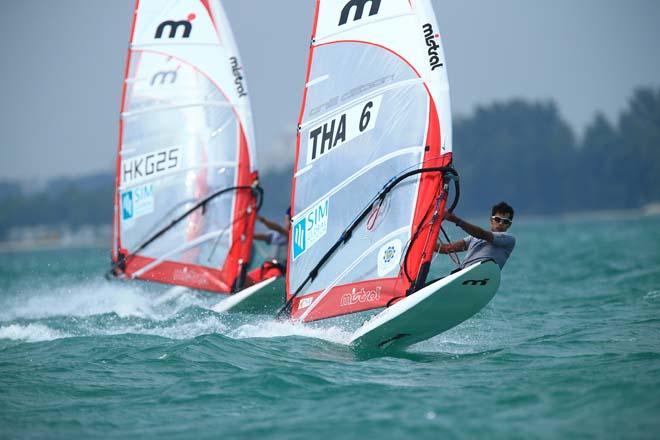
point(433, 46)
point(238, 76)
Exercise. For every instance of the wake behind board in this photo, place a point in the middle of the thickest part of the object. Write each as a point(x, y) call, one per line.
point(431, 310)
point(265, 297)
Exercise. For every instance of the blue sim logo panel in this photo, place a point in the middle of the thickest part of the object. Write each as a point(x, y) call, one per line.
point(311, 227)
point(299, 242)
point(127, 205)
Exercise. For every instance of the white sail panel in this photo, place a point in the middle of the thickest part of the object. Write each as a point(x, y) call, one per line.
point(208, 45)
point(238, 94)
point(373, 20)
point(189, 117)
point(350, 174)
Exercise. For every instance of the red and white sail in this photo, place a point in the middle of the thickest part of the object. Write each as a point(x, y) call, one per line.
point(376, 105)
point(185, 134)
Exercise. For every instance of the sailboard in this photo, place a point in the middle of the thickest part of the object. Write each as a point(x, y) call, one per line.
point(186, 173)
point(262, 298)
point(432, 310)
point(373, 168)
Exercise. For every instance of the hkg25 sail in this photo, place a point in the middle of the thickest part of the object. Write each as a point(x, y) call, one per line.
point(185, 198)
point(374, 147)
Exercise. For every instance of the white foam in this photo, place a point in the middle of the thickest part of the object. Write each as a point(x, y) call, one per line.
point(99, 297)
point(652, 295)
point(274, 329)
point(89, 299)
point(177, 330)
point(30, 333)
point(472, 336)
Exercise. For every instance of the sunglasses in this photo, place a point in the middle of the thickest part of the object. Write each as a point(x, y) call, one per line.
point(501, 220)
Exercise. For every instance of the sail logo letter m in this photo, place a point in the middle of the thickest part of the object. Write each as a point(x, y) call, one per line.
point(173, 26)
point(162, 77)
point(310, 228)
point(359, 10)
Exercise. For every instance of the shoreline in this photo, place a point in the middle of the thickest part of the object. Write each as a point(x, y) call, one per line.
point(650, 210)
point(9, 247)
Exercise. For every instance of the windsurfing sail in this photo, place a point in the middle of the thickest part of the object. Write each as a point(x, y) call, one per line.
point(373, 154)
point(186, 193)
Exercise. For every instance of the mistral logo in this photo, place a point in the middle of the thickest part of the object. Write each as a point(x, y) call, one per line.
point(360, 296)
point(431, 42)
point(311, 227)
point(238, 77)
point(359, 10)
point(173, 27)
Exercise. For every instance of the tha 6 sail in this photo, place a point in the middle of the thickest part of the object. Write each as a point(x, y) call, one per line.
point(373, 148)
point(185, 197)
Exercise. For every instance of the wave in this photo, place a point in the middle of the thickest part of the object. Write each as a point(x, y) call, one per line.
point(90, 299)
point(653, 295)
point(101, 308)
point(275, 329)
point(31, 333)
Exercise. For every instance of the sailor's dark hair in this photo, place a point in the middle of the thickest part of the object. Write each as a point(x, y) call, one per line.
point(288, 211)
point(503, 208)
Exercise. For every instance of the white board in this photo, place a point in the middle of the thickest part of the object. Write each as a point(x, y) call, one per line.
point(265, 297)
point(432, 310)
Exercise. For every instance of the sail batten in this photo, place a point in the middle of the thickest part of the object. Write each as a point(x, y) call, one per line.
point(183, 105)
point(403, 151)
point(184, 247)
point(186, 150)
point(349, 104)
point(146, 45)
point(375, 109)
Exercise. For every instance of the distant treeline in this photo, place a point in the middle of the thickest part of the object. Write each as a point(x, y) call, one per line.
point(66, 201)
point(526, 154)
point(518, 151)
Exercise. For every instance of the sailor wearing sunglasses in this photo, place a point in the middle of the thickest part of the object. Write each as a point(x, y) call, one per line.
point(496, 244)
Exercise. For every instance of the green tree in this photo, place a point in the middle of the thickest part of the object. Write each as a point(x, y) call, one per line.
point(640, 132)
point(601, 163)
point(516, 151)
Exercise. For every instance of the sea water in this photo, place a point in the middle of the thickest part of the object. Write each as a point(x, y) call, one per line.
point(568, 348)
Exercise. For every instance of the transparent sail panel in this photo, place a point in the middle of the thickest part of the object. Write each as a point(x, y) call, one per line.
point(180, 145)
point(365, 120)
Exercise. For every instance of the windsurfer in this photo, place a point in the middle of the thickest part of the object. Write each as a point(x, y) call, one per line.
point(277, 238)
point(496, 244)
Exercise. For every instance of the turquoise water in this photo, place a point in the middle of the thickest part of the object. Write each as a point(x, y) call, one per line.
point(569, 348)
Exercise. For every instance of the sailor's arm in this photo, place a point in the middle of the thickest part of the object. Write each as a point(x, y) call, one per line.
point(450, 248)
point(273, 226)
point(260, 236)
point(471, 229)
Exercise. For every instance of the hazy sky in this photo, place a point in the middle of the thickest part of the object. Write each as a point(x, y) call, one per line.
point(63, 63)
